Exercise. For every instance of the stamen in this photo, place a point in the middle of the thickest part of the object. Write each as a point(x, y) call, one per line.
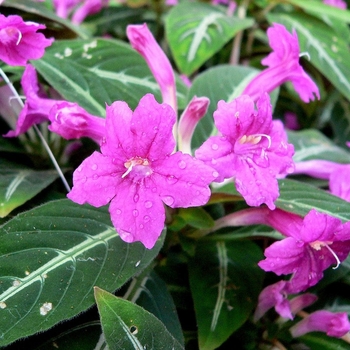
point(335, 256)
point(132, 162)
point(268, 138)
point(129, 168)
point(254, 139)
point(302, 54)
point(19, 37)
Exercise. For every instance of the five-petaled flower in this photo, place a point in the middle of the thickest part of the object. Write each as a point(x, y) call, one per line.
point(19, 40)
point(312, 245)
point(136, 171)
point(283, 65)
point(252, 148)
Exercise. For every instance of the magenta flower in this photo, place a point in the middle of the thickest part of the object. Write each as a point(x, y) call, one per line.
point(337, 174)
point(251, 148)
point(312, 245)
point(137, 173)
point(333, 324)
point(72, 122)
point(283, 63)
point(20, 42)
point(190, 117)
point(37, 105)
point(336, 3)
point(142, 40)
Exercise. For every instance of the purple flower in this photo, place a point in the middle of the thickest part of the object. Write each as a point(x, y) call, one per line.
point(136, 171)
point(283, 63)
point(251, 148)
point(337, 174)
point(336, 3)
point(312, 245)
point(190, 117)
point(333, 324)
point(142, 40)
point(37, 105)
point(20, 42)
point(72, 122)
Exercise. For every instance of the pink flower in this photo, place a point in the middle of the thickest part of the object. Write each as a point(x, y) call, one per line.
point(333, 324)
point(337, 174)
point(190, 117)
point(312, 245)
point(72, 122)
point(251, 148)
point(20, 42)
point(37, 105)
point(142, 40)
point(336, 3)
point(137, 173)
point(283, 63)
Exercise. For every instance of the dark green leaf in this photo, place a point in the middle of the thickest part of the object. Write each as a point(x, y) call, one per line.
point(129, 326)
point(321, 341)
point(225, 282)
point(50, 259)
point(196, 31)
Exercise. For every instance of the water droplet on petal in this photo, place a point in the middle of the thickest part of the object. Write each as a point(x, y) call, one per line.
point(95, 177)
point(182, 164)
point(80, 169)
point(213, 161)
point(154, 189)
point(83, 179)
point(136, 198)
point(148, 204)
point(94, 167)
point(141, 226)
point(215, 174)
point(214, 147)
point(189, 184)
point(135, 212)
point(114, 174)
point(169, 200)
point(118, 211)
point(172, 179)
point(146, 218)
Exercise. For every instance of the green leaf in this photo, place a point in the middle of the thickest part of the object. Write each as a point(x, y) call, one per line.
point(300, 198)
point(18, 184)
point(224, 82)
point(225, 282)
point(98, 71)
point(329, 53)
point(196, 217)
point(129, 326)
point(196, 31)
point(50, 259)
point(312, 144)
point(321, 341)
point(152, 294)
point(319, 9)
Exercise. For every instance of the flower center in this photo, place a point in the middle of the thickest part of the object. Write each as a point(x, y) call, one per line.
point(11, 34)
point(317, 245)
point(140, 165)
point(254, 139)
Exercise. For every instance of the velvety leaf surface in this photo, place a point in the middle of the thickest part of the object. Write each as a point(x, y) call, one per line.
point(50, 259)
point(225, 282)
point(312, 144)
point(329, 53)
point(129, 326)
point(196, 31)
point(99, 71)
point(19, 184)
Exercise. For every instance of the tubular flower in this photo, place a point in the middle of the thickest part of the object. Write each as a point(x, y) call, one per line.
point(333, 324)
point(336, 3)
point(136, 171)
point(143, 41)
point(312, 245)
point(283, 63)
point(251, 148)
point(20, 42)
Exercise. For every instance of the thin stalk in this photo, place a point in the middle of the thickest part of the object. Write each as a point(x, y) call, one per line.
point(46, 146)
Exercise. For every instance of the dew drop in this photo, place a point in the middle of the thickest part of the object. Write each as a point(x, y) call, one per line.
point(182, 164)
point(118, 211)
point(94, 167)
point(135, 212)
point(148, 204)
point(136, 198)
point(189, 184)
point(138, 263)
point(169, 200)
point(80, 169)
point(141, 226)
point(154, 189)
point(95, 177)
point(213, 161)
point(83, 179)
point(171, 179)
point(215, 174)
point(214, 147)
point(146, 218)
